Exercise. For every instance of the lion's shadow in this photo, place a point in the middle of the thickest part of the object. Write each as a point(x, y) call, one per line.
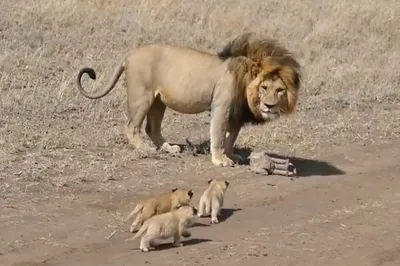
point(305, 167)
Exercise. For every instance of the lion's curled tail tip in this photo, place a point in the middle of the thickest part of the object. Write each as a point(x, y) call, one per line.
point(90, 71)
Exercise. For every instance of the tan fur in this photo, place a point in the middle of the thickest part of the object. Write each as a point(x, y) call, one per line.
point(166, 225)
point(158, 204)
point(212, 199)
point(250, 81)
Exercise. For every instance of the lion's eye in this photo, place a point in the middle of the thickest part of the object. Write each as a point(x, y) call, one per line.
point(280, 90)
point(264, 87)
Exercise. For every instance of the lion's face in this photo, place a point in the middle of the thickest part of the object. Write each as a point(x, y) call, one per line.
point(272, 93)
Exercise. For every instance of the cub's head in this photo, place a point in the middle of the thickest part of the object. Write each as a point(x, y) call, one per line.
point(187, 210)
point(273, 90)
point(182, 195)
point(223, 184)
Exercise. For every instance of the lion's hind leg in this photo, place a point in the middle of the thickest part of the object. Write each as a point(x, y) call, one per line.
point(140, 98)
point(153, 127)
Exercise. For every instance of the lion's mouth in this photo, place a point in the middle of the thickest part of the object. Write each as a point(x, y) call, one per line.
point(269, 114)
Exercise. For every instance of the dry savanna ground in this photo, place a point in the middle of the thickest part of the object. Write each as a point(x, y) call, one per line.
point(67, 175)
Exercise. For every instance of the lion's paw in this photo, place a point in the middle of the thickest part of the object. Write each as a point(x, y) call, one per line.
point(236, 158)
point(222, 160)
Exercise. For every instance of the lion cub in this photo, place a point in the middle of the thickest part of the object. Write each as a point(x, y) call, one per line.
point(213, 198)
point(158, 204)
point(166, 225)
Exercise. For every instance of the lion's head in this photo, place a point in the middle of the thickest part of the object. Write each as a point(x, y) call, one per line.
point(267, 79)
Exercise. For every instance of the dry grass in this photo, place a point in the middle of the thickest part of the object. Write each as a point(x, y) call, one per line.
point(50, 134)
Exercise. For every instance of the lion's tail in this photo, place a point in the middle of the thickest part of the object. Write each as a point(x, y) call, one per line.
point(137, 209)
point(92, 74)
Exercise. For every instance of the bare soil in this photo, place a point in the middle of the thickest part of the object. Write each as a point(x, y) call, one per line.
point(68, 176)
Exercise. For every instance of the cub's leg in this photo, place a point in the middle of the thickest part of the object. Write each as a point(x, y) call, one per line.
point(137, 223)
point(177, 240)
point(215, 208)
point(146, 241)
point(202, 205)
point(141, 217)
point(221, 204)
point(153, 127)
point(218, 129)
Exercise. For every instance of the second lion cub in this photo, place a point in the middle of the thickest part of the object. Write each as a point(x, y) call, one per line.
point(213, 199)
point(158, 204)
point(166, 225)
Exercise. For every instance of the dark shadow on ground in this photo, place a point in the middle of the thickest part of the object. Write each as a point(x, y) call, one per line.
point(190, 242)
point(226, 213)
point(305, 167)
point(200, 225)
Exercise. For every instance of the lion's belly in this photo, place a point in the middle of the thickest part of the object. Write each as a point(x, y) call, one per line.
point(186, 102)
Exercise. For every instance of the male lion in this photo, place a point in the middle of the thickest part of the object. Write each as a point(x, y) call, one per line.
point(251, 81)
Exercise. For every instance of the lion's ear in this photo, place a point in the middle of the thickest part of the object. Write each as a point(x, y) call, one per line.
point(174, 189)
point(209, 180)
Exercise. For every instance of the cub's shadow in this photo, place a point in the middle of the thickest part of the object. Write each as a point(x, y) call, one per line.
point(226, 213)
point(190, 242)
point(305, 167)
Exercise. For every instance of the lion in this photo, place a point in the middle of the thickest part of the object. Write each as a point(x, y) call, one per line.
point(251, 81)
point(212, 199)
point(158, 204)
point(170, 224)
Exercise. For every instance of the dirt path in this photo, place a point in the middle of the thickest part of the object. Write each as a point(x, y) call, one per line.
point(344, 214)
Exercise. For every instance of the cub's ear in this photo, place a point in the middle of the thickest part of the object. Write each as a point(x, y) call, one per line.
point(190, 193)
point(174, 189)
point(226, 183)
point(209, 180)
point(194, 211)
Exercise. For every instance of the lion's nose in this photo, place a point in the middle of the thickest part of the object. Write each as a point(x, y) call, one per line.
point(266, 107)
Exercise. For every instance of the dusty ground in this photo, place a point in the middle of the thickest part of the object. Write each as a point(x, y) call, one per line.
point(67, 174)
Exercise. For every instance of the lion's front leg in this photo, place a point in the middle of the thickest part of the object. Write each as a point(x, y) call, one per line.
point(233, 132)
point(218, 129)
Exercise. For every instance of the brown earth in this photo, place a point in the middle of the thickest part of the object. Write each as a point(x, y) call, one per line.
point(67, 175)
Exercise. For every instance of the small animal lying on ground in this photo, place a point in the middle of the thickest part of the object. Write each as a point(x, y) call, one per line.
point(262, 163)
point(212, 199)
point(166, 225)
